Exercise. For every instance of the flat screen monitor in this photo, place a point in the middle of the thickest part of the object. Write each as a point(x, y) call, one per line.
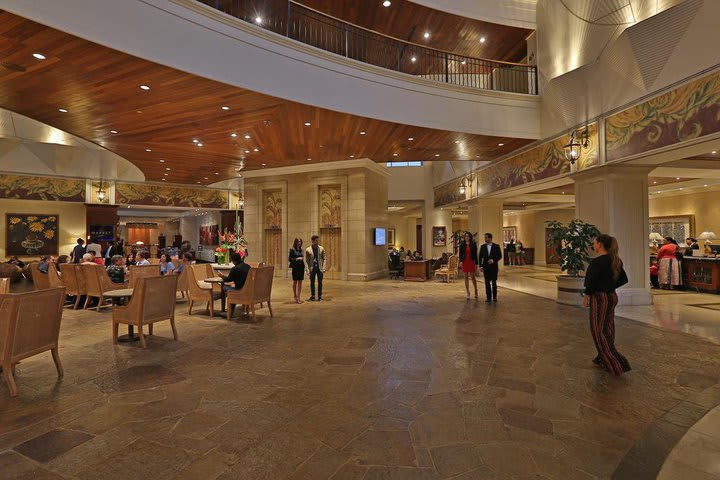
point(103, 233)
point(380, 236)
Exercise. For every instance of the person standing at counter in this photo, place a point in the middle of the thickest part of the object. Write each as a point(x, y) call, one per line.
point(691, 245)
point(490, 255)
point(669, 271)
point(297, 265)
point(468, 253)
point(604, 275)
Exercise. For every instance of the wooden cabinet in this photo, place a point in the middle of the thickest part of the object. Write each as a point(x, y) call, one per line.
point(702, 274)
point(417, 271)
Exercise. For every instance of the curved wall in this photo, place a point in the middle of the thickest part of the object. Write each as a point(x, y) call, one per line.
point(517, 13)
point(197, 39)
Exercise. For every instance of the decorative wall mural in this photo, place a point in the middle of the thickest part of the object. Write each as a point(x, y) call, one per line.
point(31, 234)
point(143, 194)
point(685, 113)
point(208, 235)
point(272, 204)
point(538, 163)
point(330, 202)
point(42, 188)
point(330, 238)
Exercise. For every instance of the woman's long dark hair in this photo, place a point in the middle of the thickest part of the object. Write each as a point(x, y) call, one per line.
point(297, 243)
point(611, 246)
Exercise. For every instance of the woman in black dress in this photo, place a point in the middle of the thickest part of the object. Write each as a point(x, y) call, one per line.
point(297, 265)
point(605, 274)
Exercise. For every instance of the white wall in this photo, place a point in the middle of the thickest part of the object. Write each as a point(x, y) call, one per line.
point(406, 183)
point(197, 39)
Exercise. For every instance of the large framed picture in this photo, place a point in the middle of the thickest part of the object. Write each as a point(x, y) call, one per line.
point(509, 233)
point(31, 234)
point(391, 236)
point(439, 235)
point(209, 235)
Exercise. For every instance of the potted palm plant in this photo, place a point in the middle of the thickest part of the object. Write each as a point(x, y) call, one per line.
point(572, 243)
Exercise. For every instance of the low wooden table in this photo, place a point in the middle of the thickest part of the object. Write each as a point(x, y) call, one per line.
point(417, 271)
point(124, 293)
point(221, 282)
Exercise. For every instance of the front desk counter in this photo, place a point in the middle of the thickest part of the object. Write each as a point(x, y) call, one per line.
point(701, 274)
point(417, 271)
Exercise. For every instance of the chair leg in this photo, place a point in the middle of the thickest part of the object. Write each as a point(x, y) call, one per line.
point(190, 307)
point(87, 302)
point(77, 302)
point(115, 332)
point(150, 329)
point(101, 299)
point(211, 307)
point(230, 307)
point(172, 325)
point(142, 336)
point(58, 364)
point(8, 374)
point(253, 312)
point(270, 308)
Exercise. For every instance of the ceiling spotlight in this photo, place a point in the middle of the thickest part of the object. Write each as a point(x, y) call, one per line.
point(162, 179)
point(457, 141)
point(463, 62)
point(247, 136)
point(395, 154)
point(410, 139)
point(39, 56)
point(309, 159)
point(144, 87)
point(217, 173)
point(363, 133)
point(166, 174)
point(195, 182)
point(62, 110)
point(195, 140)
point(655, 182)
point(167, 168)
point(704, 185)
point(258, 20)
point(233, 135)
point(113, 131)
point(413, 59)
point(714, 152)
point(437, 154)
point(256, 149)
point(482, 39)
point(199, 144)
point(677, 178)
point(224, 107)
point(263, 164)
point(307, 124)
point(352, 156)
point(148, 149)
point(501, 144)
point(426, 35)
point(387, 3)
point(162, 161)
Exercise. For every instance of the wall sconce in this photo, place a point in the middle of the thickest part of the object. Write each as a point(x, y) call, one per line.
point(465, 184)
point(241, 201)
point(100, 194)
point(578, 141)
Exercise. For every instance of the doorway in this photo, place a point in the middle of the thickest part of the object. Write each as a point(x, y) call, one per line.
point(419, 239)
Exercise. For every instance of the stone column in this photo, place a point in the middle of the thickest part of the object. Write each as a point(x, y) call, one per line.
point(486, 215)
point(615, 199)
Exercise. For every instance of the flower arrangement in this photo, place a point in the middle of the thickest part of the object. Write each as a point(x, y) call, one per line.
point(231, 241)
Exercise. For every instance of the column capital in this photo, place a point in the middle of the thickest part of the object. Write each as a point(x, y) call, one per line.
point(612, 171)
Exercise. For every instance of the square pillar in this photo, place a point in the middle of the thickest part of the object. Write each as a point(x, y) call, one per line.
point(615, 200)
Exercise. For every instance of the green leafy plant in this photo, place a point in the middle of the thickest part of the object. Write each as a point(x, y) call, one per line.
point(572, 243)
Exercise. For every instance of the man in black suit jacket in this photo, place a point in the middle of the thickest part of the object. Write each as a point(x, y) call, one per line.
point(489, 254)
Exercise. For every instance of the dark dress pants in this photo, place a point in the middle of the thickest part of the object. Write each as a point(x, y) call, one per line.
point(490, 274)
point(315, 272)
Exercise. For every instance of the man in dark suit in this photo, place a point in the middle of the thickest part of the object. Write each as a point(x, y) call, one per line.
point(238, 274)
point(78, 251)
point(489, 254)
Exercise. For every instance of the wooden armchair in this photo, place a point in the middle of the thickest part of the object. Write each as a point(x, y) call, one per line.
point(142, 271)
point(449, 271)
point(4, 285)
point(39, 279)
point(70, 273)
point(98, 283)
point(182, 281)
point(199, 289)
point(257, 289)
point(29, 324)
point(153, 301)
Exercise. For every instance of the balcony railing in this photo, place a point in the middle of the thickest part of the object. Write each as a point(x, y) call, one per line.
point(303, 24)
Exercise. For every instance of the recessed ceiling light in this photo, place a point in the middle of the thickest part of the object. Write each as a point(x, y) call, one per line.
point(233, 135)
point(482, 39)
point(217, 173)
point(413, 59)
point(197, 182)
point(199, 144)
point(144, 87)
point(655, 182)
point(352, 156)
point(463, 62)
point(148, 149)
point(62, 110)
point(167, 168)
point(225, 107)
point(410, 139)
point(258, 20)
point(704, 185)
point(680, 188)
point(501, 144)
point(162, 161)
point(714, 152)
point(263, 164)
point(195, 140)
point(113, 131)
point(247, 136)
point(563, 193)
point(256, 149)
point(309, 159)
point(162, 179)
point(247, 151)
point(426, 35)
point(39, 56)
point(166, 174)
point(457, 141)
point(437, 154)
point(363, 133)
point(307, 124)
point(387, 3)
point(677, 178)
point(395, 154)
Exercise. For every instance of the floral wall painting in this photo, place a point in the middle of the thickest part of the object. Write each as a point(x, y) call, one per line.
point(31, 234)
point(439, 235)
point(272, 201)
point(42, 188)
point(145, 194)
point(208, 235)
point(330, 201)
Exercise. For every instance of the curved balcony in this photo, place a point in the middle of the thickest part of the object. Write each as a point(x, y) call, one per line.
point(311, 27)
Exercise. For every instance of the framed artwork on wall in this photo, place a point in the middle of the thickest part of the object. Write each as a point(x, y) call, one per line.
point(391, 236)
point(31, 234)
point(439, 235)
point(678, 227)
point(209, 235)
point(509, 233)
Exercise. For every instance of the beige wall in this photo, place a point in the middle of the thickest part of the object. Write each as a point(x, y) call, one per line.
point(531, 227)
point(71, 216)
point(704, 206)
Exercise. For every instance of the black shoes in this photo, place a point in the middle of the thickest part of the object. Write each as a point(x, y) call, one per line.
point(311, 299)
point(488, 301)
point(494, 299)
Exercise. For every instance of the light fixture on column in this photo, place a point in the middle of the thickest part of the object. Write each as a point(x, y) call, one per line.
point(241, 201)
point(100, 194)
point(465, 184)
point(578, 141)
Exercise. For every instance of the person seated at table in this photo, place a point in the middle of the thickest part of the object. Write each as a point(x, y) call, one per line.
point(187, 259)
point(238, 274)
point(443, 260)
point(97, 259)
point(141, 259)
point(402, 253)
point(16, 261)
point(116, 271)
point(88, 259)
point(408, 256)
point(130, 259)
point(417, 256)
point(44, 263)
point(166, 265)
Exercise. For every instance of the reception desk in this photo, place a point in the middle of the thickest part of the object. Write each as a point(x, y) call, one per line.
point(417, 271)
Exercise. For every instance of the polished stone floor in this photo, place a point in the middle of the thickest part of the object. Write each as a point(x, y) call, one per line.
point(384, 380)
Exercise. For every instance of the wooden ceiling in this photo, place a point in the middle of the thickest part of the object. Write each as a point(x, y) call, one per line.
point(100, 89)
point(409, 21)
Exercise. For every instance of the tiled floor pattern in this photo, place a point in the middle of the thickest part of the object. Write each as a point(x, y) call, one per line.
point(696, 456)
point(390, 380)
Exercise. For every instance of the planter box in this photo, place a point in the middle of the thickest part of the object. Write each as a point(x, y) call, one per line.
point(570, 290)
